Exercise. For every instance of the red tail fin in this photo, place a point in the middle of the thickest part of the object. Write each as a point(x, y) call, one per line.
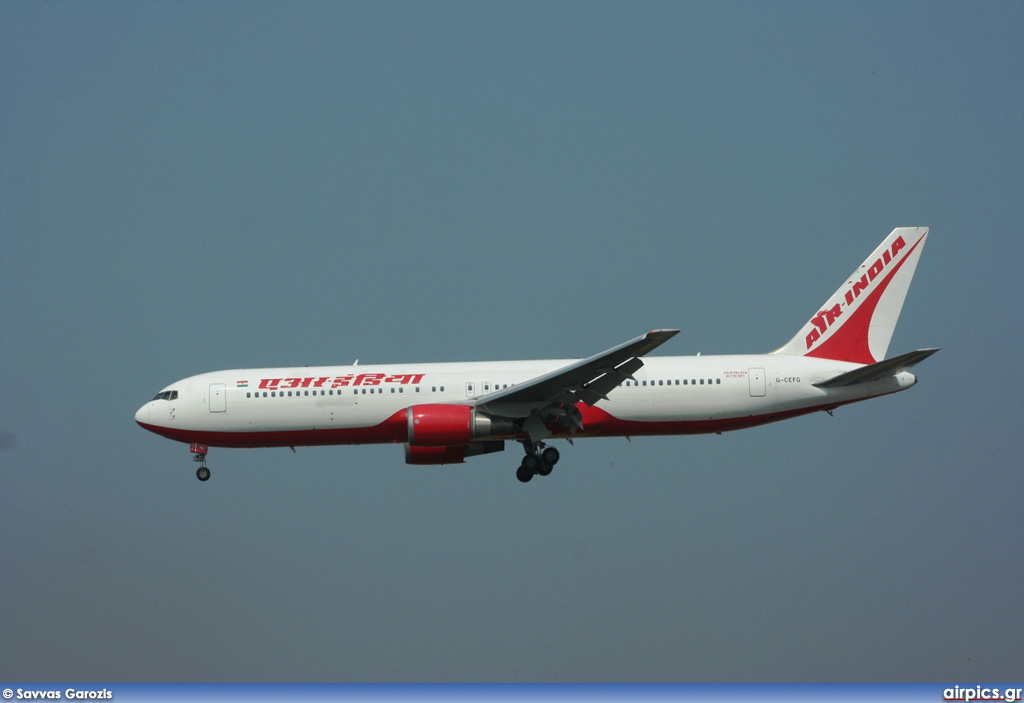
point(857, 322)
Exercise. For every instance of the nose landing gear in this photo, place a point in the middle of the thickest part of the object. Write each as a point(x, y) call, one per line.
point(202, 473)
point(539, 461)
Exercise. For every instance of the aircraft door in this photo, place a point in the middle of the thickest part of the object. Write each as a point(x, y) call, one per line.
point(218, 397)
point(757, 383)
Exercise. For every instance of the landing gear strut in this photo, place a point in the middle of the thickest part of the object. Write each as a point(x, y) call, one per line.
point(202, 473)
point(539, 461)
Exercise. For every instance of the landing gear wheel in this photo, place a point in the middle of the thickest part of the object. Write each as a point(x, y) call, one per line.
point(550, 456)
point(199, 450)
point(539, 460)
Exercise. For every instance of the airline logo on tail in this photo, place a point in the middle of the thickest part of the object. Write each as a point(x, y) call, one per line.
point(824, 319)
point(857, 322)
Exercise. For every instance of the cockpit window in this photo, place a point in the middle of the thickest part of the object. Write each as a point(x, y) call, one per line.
point(166, 395)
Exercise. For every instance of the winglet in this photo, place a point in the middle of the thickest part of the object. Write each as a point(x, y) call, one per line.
point(857, 322)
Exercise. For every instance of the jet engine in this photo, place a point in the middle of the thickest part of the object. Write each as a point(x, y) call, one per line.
point(439, 425)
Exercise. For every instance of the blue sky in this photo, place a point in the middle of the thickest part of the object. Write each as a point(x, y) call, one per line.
point(192, 186)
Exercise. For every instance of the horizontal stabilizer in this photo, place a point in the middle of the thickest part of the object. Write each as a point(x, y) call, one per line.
point(879, 370)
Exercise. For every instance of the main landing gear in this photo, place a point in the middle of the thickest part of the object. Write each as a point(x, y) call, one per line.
point(202, 473)
point(539, 461)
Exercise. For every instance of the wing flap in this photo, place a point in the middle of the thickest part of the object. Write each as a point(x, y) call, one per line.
point(600, 387)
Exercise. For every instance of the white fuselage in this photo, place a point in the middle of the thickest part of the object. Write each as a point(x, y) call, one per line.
point(367, 404)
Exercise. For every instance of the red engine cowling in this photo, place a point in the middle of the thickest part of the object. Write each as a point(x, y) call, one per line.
point(440, 425)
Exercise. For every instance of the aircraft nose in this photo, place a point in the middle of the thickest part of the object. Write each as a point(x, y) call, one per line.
point(142, 415)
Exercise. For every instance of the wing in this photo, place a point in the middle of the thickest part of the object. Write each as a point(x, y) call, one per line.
point(552, 395)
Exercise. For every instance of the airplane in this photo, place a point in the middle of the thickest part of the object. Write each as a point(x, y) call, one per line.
point(445, 413)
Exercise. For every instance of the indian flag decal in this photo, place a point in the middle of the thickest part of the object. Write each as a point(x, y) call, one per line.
point(242, 384)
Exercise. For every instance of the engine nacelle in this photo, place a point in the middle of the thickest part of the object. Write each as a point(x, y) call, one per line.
point(439, 425)
point(433, 456)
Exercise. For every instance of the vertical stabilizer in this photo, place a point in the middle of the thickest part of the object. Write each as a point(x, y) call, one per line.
point(857, 322)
